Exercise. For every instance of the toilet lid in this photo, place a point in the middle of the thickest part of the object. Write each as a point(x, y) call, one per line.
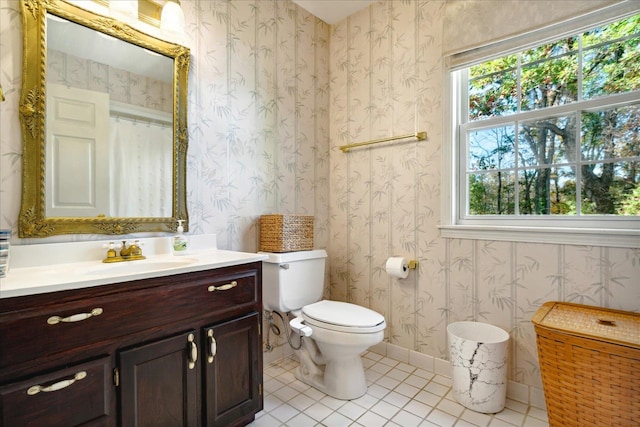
point(342, 316)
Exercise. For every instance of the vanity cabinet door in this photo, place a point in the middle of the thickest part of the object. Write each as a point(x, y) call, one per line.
point(159, 383)
point(79, 395)
point(232, 373)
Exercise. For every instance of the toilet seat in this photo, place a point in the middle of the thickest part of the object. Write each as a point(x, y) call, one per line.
point(343, 317)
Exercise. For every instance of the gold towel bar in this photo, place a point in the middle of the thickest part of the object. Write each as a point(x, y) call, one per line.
point(420, 136)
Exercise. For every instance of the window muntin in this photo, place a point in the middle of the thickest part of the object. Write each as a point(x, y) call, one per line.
point(549, 75)
point(553, 131)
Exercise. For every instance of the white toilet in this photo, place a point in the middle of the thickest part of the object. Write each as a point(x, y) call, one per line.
point(338, 332)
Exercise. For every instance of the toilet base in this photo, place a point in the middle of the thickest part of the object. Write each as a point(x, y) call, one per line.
point(330, 360)
point(343, 378)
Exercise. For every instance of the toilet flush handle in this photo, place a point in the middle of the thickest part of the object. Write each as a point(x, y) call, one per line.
point(297, 324)
point(284, 266)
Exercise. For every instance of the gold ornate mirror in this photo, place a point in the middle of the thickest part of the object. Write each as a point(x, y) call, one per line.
point(103, 111)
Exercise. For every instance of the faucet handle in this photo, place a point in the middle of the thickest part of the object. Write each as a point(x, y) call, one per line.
point(111, 249)
point(135, 248)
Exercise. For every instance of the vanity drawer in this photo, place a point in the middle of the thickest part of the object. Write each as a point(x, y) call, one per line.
point(231, 291)
point(50, 329)
point(74, 396)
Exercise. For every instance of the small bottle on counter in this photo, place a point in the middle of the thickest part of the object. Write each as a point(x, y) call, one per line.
point(180, 241)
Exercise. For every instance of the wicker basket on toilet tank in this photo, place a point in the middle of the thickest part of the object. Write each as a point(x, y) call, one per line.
point(286, 233)
point(590, 364)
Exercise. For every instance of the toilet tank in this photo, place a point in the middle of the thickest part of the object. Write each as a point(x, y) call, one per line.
point(292, 280)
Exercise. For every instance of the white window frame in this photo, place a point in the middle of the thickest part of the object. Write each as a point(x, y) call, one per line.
point(613, 232)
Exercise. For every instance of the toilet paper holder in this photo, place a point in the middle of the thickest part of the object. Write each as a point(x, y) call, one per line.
point(399, 267)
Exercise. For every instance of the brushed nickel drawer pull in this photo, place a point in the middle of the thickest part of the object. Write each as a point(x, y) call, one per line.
point(193, 352)
point(54, 320)
point(56, 386)
point(223, 287)
point(213, 348)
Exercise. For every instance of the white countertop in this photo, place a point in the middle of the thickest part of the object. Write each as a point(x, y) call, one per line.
point(58, 273)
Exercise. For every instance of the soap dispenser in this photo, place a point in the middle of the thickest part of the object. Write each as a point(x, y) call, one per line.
point(180, 241)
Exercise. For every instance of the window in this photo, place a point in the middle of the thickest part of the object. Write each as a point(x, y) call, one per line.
point(549, 136)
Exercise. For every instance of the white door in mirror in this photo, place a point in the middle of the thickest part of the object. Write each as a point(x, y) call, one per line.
point(77, 157)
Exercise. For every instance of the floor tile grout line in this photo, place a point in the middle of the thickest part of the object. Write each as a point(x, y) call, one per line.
point(286, 367)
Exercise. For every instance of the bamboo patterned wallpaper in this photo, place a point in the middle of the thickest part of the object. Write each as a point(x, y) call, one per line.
point(122, 86)
point(273, 93)
point(258, 117)
point(386, 61)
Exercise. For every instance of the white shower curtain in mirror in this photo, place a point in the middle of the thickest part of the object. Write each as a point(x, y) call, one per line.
point(141, 168)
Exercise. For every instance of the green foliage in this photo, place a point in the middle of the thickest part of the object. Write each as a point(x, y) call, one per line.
point(631, 204)
point(606, 157)
point(492, 88)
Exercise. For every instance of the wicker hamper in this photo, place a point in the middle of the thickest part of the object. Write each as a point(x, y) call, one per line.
point(590, 364)
point(286, 233)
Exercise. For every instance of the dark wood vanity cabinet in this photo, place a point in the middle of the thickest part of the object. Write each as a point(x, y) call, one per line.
point(179, 350)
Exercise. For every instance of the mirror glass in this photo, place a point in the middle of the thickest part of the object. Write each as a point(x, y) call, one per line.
point(108, 128)
point(103, 112)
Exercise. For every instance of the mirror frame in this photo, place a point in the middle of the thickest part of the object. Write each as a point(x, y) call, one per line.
point(32, 221)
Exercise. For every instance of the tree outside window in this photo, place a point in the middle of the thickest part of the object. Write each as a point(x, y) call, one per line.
point(555, 130)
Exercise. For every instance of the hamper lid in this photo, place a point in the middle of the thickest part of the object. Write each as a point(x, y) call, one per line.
point(604, 324)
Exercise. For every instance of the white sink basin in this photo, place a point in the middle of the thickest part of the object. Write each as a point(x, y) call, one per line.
point(133, 267)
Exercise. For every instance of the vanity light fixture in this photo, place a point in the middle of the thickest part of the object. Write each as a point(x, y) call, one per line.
point(172, 19)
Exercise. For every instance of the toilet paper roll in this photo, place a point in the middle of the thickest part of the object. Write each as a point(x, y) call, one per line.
point(397, 266)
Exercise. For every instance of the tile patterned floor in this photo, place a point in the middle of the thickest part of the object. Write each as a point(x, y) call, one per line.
point(398, 395)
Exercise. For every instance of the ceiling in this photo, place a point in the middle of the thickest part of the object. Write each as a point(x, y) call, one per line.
point(333, 11)
point(104, 49)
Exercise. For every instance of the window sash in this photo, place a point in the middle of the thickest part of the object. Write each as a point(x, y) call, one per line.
point(615, 231)
point(576, 108)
